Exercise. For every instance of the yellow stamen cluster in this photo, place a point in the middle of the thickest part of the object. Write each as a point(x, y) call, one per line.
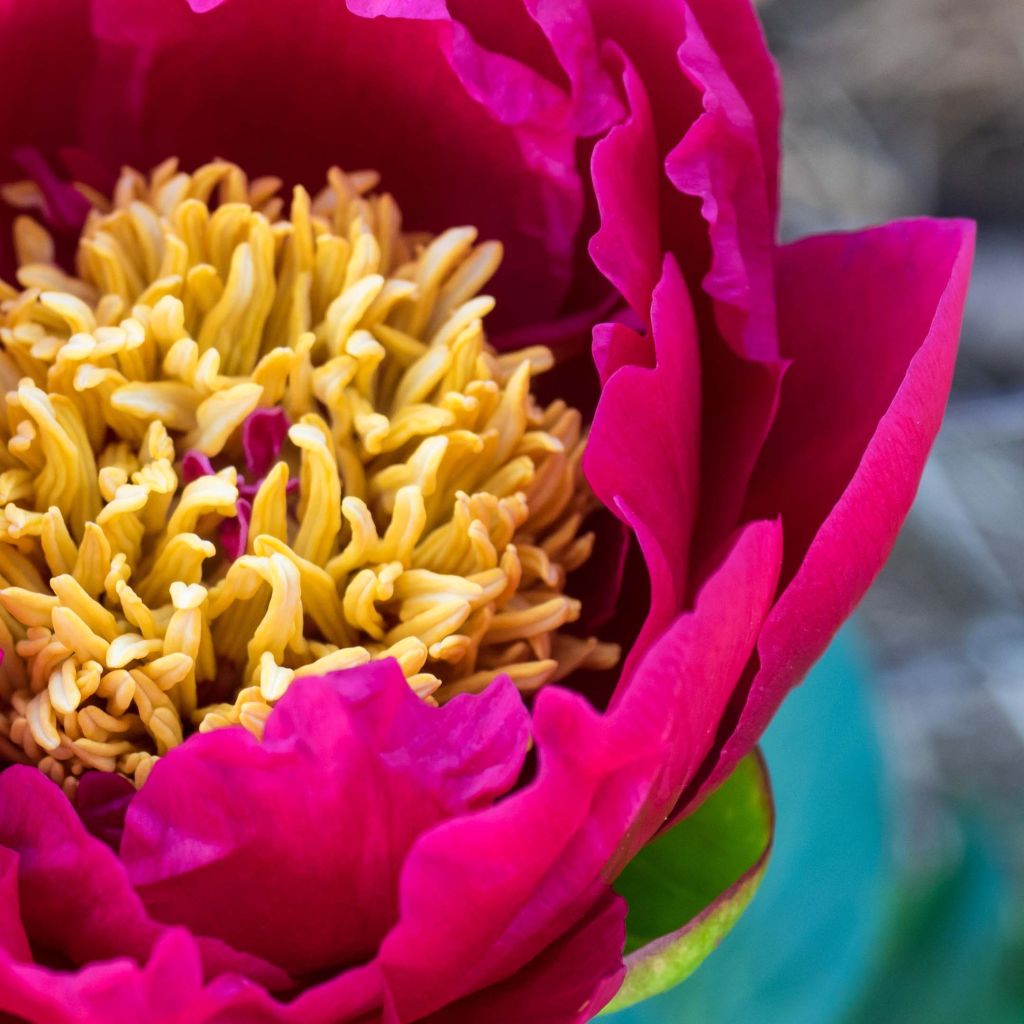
point(438, 508)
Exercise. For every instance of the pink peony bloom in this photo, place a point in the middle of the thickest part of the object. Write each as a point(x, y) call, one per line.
point(763, 417)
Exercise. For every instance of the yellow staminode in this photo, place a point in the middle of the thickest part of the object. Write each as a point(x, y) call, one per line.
point(438, 509)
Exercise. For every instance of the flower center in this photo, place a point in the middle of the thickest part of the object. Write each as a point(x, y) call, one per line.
point(243, 447)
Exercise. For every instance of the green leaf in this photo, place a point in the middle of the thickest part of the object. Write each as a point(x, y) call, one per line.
point(688, 886)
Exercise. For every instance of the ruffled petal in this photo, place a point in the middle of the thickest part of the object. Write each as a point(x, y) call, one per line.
point(167, 988)
point(728, 159)
point(714, 98)
point(668, 146)
point(359, 994)
point(732, 30)
point(554, 39)
point(649, 33)
point(718, 160)
point(76, 907)
point(116, 990)
point(76, 900)
point(624, 170)
point(353, 767)
point(871, 322)
point(641, 458)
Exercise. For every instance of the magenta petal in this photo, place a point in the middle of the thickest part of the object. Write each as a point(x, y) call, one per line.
point(13, 940)
point(116, 990)
point(714, 101)
point(719, 160)
point(465, 753)
point(353, 768)
point(615, 345)
point(69, 895)
point(871, 321)
point(196, 464)
point(724, 162)
point(358, 994)
point(568, 984)
point(650, 32)
point(263, 433)
point(570, 31)
point(641, 459)
point(76, 898)
point(732, 30)
point(494, 890)
point(624, 168)
point(234, 533)
point(102, 801)
point(66, 207)
point(689, 676)
point(167, 988)
point(77, 903)
point(740, 397)
point(556, 40)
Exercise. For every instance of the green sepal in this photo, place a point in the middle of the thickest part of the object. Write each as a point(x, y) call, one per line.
point(689, 885)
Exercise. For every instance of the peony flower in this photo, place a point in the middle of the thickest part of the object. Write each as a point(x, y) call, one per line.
point(356, 632)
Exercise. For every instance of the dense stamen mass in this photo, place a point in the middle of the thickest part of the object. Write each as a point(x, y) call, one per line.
point(243, 446)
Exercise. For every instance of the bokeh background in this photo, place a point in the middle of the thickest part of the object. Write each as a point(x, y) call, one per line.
point(898, 108)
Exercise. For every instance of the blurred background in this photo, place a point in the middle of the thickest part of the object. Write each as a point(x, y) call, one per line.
point(893, 895)
point(898, 108)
